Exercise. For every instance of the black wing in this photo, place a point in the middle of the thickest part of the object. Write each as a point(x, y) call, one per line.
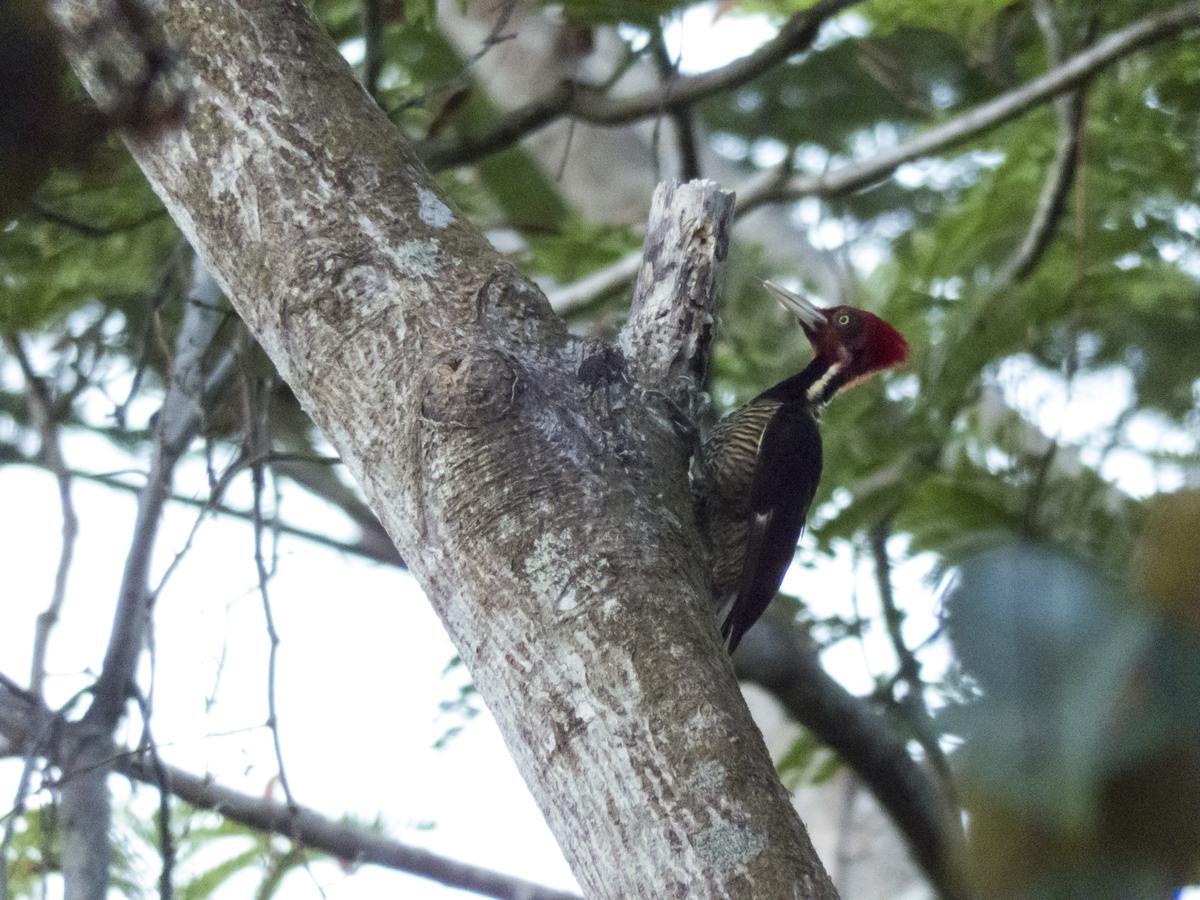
point(786, 473)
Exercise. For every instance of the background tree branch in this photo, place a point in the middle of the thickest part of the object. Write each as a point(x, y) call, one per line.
point(1065, 77)
point(1070, 116)
point(20, 712)
point(587, 104)
point(778, 657)
point(85, 804)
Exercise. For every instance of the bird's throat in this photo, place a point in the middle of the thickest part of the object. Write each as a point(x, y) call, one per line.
point(827, 383)
point(820, 380)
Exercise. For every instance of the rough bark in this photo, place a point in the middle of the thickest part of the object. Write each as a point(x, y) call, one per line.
point(532, 480)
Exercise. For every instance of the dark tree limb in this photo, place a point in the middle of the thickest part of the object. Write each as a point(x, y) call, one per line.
point(373, 23)
point(682, 118)
point(587, 104)
point(784, 661)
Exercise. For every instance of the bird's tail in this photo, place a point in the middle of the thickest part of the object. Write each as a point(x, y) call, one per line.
point(733, 626)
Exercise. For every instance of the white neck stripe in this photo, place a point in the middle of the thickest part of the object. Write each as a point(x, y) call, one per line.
point(817, 389)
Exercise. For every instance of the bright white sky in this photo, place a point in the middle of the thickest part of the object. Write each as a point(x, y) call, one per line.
point(362, 657)
point(360, 678)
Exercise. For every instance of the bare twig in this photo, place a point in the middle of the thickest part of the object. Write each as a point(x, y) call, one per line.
point(162, 780)
point(177, 423)
point(589, 104)
point(257, 425)
point(42, 412)
point(257, 412)
point(368, 549)
point(216, 492)
point(909, 669)
point(497, 35)
point(1069, 112)
point(343, 841)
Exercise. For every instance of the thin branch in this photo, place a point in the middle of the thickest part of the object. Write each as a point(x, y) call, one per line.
point(216, 492)
point(85, 802)
point(342, 841)
point(909, 669)
point(367, 549)
point(1073, 72)
point(178, 420)
point(373, 24)
point(42, 412)
point(1069, 112)
point(257, 411)
point(497, 35)
point(587, 104)
point(18, 711)
point(162, 780)
point(257, 416)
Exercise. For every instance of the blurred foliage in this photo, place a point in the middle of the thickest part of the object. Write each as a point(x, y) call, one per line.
point(212, 855)
point(1076, 552)
point(807, 762)
point(35, 855)
point(1080, 768)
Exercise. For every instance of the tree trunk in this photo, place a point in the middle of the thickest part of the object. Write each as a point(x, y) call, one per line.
point(534, 481)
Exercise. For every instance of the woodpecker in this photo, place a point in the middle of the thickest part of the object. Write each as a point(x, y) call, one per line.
point(756, 474)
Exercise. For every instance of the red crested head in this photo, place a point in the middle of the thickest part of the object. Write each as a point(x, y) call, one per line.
point(856, 342)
